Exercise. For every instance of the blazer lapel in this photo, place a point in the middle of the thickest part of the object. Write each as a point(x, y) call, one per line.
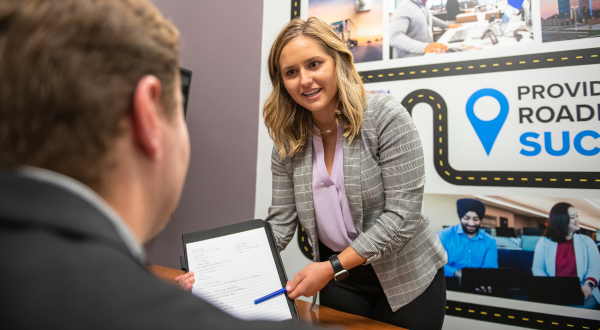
point(580, 256)
point(305, 206)
point(352, 182)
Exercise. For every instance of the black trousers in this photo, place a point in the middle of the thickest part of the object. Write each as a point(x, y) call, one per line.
point(362, 294)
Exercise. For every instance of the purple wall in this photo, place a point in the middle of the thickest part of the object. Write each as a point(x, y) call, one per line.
point(221, 44)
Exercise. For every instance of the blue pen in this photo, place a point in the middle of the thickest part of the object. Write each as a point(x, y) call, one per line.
point(270, 295)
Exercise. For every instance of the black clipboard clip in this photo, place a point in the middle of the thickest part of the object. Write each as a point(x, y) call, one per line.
point(183, 264)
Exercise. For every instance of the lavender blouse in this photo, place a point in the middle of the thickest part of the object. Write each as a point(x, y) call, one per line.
point(335, 227)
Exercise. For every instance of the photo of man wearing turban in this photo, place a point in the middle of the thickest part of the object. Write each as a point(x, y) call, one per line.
point(467, 246)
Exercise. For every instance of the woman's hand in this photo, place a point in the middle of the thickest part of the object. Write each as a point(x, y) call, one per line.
point(310, 280)
point(587, 291)
point(186, 281)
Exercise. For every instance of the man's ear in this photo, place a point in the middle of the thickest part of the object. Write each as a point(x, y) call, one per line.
point(145, 115)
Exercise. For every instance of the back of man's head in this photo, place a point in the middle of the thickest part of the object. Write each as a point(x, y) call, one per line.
point(68, 72)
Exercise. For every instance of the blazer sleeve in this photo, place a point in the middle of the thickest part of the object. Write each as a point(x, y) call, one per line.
point(282, 212)
point(403, 173)
point(593, 259)
point(539, 259)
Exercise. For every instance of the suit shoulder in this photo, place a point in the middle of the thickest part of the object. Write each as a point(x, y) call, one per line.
point(446, 231)
point(586, 239)
point(543, 241)
point(380, 107)
point(403, 8)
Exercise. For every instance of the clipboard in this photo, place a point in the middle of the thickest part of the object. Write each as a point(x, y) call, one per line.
point(237, 264)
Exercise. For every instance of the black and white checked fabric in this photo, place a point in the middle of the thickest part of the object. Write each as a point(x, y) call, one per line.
point(384, 176)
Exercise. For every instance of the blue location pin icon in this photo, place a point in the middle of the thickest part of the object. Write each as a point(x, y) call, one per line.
point(487, 130)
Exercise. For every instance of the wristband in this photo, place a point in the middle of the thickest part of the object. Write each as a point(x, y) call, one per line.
point(339, 272)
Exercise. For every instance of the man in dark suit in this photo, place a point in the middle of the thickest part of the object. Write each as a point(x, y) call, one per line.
point(93, 156)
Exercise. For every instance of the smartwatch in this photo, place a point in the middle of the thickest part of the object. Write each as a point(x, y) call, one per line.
point(338, 269)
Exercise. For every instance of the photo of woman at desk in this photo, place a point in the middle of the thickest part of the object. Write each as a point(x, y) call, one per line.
point(564, 252)
point(349, 167)
point(419, 27)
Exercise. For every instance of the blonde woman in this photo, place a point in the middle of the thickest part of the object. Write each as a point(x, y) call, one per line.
point(348, 166)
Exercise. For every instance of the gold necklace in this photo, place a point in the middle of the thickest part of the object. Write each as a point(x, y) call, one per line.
point(327, 131)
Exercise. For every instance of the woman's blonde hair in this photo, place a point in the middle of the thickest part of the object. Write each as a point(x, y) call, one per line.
point(288, 122)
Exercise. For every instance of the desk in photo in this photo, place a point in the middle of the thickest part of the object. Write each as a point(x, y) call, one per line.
point(475, 30)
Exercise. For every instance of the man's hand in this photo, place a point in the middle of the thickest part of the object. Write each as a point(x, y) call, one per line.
point(435, 47)
point(587, 291)
point(186, 280)
point(454, 26)
point(458, 273)
point(310, 280)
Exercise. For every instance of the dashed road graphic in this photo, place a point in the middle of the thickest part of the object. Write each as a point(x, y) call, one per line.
point(580, 180)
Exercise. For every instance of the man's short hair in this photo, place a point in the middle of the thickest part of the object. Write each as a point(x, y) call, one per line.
point(68, 71)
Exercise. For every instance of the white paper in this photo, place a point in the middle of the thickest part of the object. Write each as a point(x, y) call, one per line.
point(234, 270)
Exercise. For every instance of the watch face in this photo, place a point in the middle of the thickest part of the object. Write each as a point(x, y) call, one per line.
point(341, 275)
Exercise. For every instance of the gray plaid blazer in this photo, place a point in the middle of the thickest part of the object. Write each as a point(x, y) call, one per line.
point(384, 176)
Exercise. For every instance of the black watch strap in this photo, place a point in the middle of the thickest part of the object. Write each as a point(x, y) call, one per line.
point(339, 272)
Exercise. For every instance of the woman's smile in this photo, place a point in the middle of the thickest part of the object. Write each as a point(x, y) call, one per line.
point(313, 93)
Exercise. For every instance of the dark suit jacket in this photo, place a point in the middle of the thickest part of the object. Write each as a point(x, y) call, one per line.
point(63, 266)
